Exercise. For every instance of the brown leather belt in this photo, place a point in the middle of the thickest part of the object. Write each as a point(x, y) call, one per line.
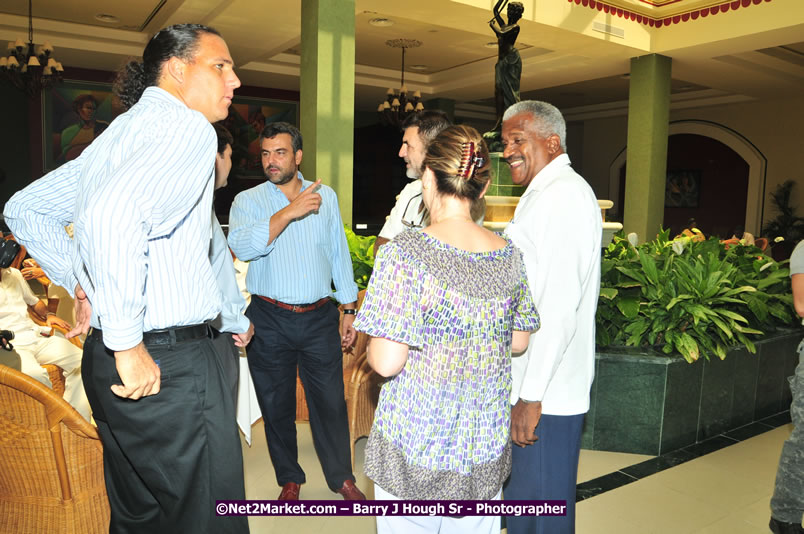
point(297, 308)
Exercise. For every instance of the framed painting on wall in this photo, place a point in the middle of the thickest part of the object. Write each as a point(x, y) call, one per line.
point(74, 113)
point(682, 189)
point(247, 118)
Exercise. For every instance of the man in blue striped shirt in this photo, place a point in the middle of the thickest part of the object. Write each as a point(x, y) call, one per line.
point(291, 231)
point(140, 197)
point(232, 329)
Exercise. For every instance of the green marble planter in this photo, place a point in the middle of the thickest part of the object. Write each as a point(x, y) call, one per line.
point(652, 404)
point(501, 184)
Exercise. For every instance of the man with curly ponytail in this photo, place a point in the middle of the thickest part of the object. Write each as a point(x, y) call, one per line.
point(140, 197)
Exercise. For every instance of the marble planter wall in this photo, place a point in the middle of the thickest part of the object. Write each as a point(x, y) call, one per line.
point(653, 404)
point(501, 184)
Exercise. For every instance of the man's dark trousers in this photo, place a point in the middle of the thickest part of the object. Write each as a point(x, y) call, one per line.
point(284, 341)
point(546, 470)
point(230, 359)
point(169, 456)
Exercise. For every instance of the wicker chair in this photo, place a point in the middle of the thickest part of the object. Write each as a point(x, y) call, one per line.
point(51, 464)
point(362, 394)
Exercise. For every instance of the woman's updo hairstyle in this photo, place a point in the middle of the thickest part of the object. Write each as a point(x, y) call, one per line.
point(179, 40)
point(459, 158)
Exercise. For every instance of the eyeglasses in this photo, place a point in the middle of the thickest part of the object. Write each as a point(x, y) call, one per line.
point(418, 214)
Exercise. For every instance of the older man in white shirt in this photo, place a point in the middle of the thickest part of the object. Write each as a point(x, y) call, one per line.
point(34, 344)
point(558, 227)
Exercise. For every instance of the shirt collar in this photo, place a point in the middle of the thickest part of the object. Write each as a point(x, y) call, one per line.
point(157, 94)
point(548, 174)
point(274, 189)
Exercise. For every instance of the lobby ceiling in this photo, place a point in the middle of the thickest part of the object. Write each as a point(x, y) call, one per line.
point(576, 53)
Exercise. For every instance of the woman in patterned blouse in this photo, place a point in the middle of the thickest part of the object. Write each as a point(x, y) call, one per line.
point(445, 307)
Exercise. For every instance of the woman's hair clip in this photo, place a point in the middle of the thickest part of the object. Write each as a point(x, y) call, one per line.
point(470, 161)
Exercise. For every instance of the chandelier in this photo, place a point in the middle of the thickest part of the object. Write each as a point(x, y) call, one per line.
point(30, 68)
point(399, 103)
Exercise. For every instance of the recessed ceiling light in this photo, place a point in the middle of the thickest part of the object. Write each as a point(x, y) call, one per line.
point(108, 19)
point(419, 67)
point(382, 22)
point(491, 44)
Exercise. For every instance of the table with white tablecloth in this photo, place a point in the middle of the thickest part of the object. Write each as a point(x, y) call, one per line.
point(248, 410)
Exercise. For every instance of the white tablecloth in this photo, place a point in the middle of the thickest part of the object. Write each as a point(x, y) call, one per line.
point(248, 411)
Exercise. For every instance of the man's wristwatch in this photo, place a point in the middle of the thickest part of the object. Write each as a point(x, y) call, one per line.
point(349, 311)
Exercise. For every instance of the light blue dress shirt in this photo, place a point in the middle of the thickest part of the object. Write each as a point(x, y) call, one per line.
point(140, 197)
point(231, 318)
point(299, 266)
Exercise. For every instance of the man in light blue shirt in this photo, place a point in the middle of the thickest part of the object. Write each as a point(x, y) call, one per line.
point(140, 197)
point(232, 328)
point(291, 231)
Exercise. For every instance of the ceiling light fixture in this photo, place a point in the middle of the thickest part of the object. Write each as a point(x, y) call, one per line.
point(398, 104)
point(107, 18)
point(30, 68)
point(381, 22)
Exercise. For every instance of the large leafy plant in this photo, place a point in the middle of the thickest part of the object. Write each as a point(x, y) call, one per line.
point(787, 224)
point(361, 250)
point(688, 295)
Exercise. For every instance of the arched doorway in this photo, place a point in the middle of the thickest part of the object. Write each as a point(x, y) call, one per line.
point(728, 171)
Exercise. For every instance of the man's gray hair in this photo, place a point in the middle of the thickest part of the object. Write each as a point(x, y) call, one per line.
point(548, 119)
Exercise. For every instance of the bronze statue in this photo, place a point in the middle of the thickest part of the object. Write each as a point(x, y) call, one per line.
point(508, 70)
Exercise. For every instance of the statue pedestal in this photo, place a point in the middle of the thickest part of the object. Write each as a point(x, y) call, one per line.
point(503, 196)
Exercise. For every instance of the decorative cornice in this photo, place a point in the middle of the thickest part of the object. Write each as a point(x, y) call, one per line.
point(667, 21)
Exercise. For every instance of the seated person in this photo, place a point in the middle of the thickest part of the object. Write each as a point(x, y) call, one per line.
point(64, 304)
point(34, 344)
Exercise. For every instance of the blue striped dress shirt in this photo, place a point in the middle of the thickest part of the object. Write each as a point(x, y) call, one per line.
point(233, 305)
point(299, 266)
point(140, 197)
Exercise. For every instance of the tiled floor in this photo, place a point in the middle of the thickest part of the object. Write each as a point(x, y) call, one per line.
point(725, 491)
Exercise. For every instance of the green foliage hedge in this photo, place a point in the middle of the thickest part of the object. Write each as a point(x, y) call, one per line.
point(690, 296)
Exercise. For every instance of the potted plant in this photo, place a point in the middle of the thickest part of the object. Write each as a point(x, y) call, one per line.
point(696, 298)
point(787, 228)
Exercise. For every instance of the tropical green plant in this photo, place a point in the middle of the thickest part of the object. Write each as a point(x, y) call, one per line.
point(361, 250)
point(694, 297)
point(786, 224)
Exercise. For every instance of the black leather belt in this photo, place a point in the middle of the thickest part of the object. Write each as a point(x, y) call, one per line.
point(169, 336)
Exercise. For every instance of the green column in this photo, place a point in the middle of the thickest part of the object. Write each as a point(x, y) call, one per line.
point(328, 95)
point(648, 117)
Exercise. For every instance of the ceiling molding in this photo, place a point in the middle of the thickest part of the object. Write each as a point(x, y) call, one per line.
point(660, 19)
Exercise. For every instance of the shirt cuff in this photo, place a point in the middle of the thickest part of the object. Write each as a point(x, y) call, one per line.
point(123, 335)
point(345, 296)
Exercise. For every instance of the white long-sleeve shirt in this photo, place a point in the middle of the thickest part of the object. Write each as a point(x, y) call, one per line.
point(558, 227)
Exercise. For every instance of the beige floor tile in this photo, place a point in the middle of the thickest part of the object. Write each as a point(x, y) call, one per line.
point(726, 491)
point(757, 513)
point(657, 509)
point(732, 525)
point(593, 464)
point(732, 487)
point(596, 516)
